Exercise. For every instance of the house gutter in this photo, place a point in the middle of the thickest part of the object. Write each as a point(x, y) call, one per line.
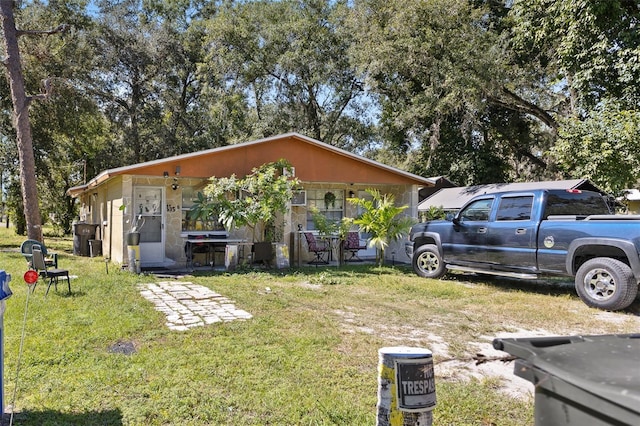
point(76, 191)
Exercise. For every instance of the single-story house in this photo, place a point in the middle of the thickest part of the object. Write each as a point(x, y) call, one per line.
point(631, 199)
point(452, 199)
point(439, 183)
point(163, 191)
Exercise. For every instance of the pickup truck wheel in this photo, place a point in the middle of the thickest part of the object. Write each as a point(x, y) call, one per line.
point(606, 283)
point(427, 262)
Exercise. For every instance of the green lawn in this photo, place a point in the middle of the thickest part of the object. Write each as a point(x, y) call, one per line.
point(308, 356)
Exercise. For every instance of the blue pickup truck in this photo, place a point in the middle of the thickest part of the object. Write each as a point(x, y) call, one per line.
point(536, 233)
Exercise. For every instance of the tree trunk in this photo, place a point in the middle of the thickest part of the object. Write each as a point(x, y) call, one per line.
point(21, 122)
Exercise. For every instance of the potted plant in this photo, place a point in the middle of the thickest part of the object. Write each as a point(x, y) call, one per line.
point(133, 236)
point(335, 229)
point(329, 200)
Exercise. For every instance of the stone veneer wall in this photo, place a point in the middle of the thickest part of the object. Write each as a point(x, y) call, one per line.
point(404, 195)
point(175, 238)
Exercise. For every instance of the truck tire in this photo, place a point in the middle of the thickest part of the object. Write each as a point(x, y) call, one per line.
point(606, 283)
point(428, 263)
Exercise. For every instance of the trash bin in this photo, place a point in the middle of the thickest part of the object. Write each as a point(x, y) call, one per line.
point(82, 233)
point(95, 248)
point(580, 380)
point(5, 293)
point(282, 255)
point(231, 257)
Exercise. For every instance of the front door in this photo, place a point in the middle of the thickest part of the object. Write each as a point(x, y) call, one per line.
point(148, 202)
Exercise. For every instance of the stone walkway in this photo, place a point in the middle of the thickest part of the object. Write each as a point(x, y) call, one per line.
point(189, 305)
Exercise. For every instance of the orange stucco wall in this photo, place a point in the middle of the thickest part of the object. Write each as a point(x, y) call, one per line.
point(312, 163)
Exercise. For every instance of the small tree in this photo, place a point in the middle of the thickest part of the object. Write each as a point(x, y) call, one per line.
point(253, 201)
point(381, 219)
point(330, 227)
point(434, 213)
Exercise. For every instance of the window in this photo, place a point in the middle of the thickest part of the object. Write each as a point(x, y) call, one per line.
point(575, 203)
point(515, 208)
point(189, 196)
point(329, 202)
point(299, 198)
point(478, 210)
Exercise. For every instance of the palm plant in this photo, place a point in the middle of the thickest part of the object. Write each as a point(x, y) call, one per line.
point(381, 218)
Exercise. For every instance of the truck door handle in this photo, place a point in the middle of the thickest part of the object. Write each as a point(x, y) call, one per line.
point(482, 230)
point(521, 231)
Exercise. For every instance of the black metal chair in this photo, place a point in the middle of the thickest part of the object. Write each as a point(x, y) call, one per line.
point(352, 245)
point(52, 274)
point(318, 249)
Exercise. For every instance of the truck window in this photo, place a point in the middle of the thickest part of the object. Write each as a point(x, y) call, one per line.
point(515, 208)
point(579, 204)
point(477, 210)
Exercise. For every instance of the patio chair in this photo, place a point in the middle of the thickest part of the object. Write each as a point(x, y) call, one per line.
point(49, 259)
point(318, 249)
point(52, 274)
point(352, 245)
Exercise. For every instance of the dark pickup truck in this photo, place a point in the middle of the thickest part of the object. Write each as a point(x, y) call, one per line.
point(536, 233)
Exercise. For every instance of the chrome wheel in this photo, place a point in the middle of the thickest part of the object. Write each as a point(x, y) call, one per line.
point(427, 262)
point(606, 283)
point(599, 284)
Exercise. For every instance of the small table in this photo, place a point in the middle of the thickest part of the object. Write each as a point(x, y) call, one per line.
point(333, 241)
point(213, 242)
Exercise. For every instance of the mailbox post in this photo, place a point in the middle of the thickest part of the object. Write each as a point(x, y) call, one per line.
point(406, 387)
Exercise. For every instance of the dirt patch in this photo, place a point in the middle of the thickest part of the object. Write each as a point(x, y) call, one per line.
point(122, 347)
point(464, 368)
point(310, 286)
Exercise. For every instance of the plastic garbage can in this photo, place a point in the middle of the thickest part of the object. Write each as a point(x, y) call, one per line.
point(82, 233)
point(580, 380)
point(95, 248)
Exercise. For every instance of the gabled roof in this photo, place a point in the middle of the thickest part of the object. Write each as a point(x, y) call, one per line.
point(631, 195)
point(308, 156)
point(455, 198)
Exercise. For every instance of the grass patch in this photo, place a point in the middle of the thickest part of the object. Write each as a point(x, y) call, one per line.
point(308, 356)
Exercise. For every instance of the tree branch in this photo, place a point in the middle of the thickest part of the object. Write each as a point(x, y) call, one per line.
point(47, 91)
point(521, 105)
point(59, 29)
